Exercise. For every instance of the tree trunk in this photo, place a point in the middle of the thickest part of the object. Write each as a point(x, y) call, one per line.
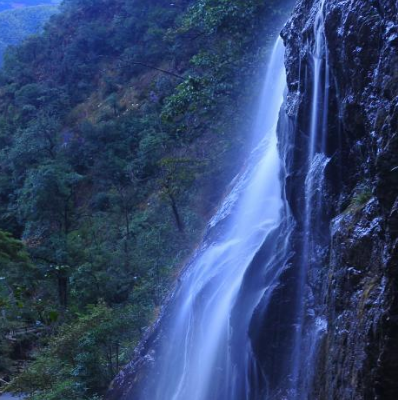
point(63, 291)
point(179, 222)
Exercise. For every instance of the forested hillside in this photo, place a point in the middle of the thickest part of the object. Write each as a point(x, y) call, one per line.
point(120, 128)
point(19, 23)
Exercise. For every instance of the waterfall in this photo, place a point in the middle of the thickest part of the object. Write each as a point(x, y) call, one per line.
point(242, 323)
point(203, 350)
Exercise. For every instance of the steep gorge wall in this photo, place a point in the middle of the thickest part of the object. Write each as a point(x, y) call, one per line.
point(357, 289)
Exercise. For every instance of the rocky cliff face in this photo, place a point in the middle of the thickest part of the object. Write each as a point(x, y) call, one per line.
point(357, 288)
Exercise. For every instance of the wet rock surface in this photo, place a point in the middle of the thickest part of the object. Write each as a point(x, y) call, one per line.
point(358, 283)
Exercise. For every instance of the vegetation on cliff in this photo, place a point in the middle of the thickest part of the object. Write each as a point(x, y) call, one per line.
point(120, 127)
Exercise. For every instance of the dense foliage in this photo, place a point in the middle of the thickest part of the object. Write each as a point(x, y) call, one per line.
point(119, 128)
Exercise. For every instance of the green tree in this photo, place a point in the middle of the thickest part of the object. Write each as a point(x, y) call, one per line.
point(47, 208)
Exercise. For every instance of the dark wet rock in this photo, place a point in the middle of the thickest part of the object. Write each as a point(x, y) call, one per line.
point(358, 285)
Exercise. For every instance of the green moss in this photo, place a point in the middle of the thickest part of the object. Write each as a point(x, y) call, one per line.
point(361, 197)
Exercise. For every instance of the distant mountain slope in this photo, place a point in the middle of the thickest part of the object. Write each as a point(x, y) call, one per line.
point(14, 4)
point(18, 23)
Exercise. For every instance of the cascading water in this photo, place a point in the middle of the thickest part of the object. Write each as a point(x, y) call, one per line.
point(203, 350)
point(239, 325)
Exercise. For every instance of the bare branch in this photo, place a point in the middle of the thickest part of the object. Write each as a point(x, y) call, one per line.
point(159, 69)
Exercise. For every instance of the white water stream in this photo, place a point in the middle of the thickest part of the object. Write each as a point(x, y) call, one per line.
point(247, 269)
point(205, 351)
